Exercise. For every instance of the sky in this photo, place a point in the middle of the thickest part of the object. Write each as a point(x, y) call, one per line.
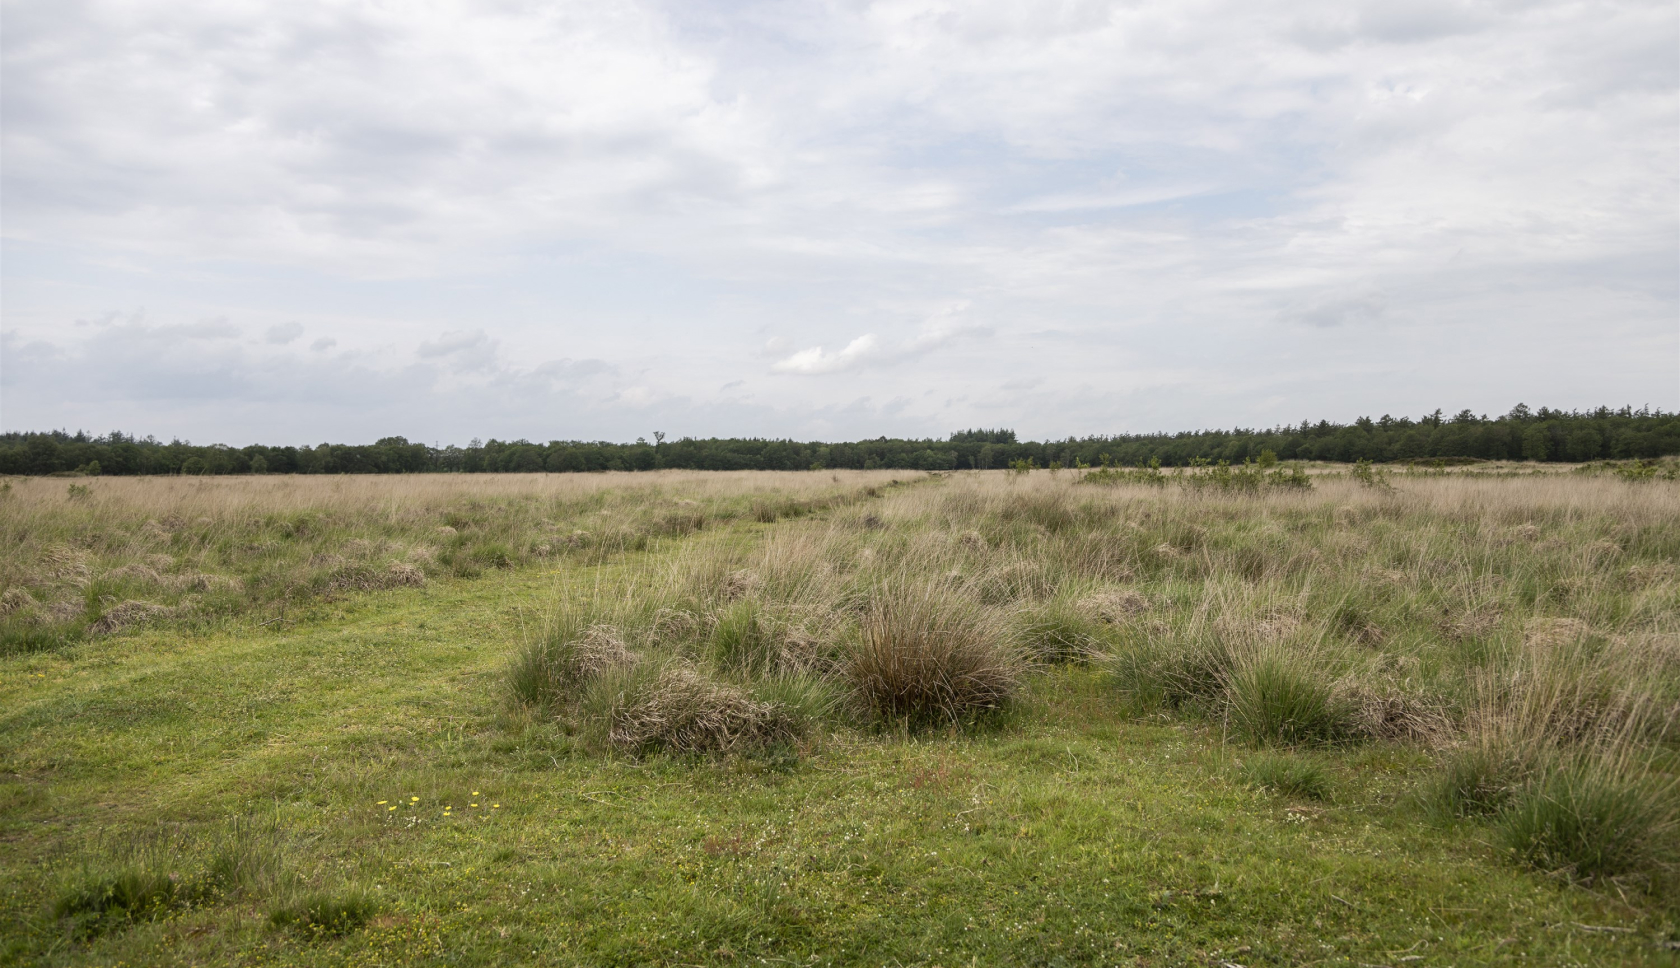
point(294, 222)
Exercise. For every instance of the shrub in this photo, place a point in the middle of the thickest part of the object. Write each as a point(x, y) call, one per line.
point(323, 915)
point(1589, 818)
point(1278, 699)
point(924, 658)
point(673, 707)
point(1292, 776)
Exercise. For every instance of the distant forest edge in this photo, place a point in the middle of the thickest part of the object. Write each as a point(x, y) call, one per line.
point(1522, 434)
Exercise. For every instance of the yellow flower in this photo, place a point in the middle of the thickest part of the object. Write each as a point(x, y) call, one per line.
point(413, 799)
point(475, 793)
point(383, 802)
point(495, 806)
point(390, 808)
point(475, 804)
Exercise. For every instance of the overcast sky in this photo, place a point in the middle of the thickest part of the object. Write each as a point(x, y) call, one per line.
point(289, 222)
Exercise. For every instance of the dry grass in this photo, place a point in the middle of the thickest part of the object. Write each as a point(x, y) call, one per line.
point(196, 549)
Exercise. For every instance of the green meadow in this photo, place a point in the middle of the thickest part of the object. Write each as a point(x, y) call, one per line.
point(858, 718)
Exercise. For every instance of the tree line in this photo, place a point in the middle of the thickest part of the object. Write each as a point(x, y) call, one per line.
point(1523, 434)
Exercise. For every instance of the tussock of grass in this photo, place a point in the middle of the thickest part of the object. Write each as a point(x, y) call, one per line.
point(322, 915)
point(572, 651)
point(1287, 699)
point(1476, 782)
point(925, 657)
point(1059, 632)
point(1181, 672)
point(153, 877)
point(672, 707)
point(1287, 774)
point(1591, 817)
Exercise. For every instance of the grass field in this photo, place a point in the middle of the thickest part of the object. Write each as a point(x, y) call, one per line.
point(990, 719)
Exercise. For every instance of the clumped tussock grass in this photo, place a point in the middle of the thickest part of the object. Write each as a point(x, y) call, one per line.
point(925, 656)
point(157, 875)
point(320, 915)
point(673, 707)
point(1509, 623)
point(1285, 698)
point(1291, 775)
point(1590, 817)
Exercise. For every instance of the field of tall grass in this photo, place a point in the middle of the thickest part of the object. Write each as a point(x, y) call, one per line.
point(89, 559)
point(997, 717)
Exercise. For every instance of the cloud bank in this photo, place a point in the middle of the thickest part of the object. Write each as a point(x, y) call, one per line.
point(307, 220)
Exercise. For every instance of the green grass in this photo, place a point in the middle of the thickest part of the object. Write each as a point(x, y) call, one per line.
point(1287, 774)
point(1080, 829)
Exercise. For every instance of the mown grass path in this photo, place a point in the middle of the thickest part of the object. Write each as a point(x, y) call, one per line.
point(1068, 836)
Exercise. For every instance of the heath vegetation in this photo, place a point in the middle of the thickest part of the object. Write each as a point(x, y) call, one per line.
point(1248, 713)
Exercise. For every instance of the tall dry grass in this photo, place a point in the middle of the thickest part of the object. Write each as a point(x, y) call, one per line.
point(105, 554)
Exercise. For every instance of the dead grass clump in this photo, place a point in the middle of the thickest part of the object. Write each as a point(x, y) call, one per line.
point(16, 600)
point(135, 573)
point(126, 615)
point(1115, 606)
point(203, 582)
point(924, 658)
point(1472, 623)
point(66, 565)
point(739, 584)
point(1393, 713)
point(396, 574)
point(674, 708)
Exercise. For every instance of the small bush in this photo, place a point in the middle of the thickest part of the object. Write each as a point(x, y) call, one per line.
point(1588, 819)
point(1292, 776)
point(1280, 700)
point(325, 915)
point(923, 658)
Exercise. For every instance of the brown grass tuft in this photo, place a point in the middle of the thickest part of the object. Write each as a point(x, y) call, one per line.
point(16, 600)
point(678, 709)
point(923, 657)
point(127, 614)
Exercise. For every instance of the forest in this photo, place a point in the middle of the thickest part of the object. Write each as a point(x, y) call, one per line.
point(1541, 434)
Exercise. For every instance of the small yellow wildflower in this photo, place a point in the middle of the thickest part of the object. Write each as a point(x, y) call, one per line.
point(413, 799)
point(383, 802)
point(495, 806)
point(391, 808)
point(475, 793)
point(475, 804)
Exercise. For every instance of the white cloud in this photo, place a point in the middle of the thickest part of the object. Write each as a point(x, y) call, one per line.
point(1189, 192)
point(814, 360)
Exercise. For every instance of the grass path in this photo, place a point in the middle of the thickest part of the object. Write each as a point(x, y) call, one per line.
point(1071, 836)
